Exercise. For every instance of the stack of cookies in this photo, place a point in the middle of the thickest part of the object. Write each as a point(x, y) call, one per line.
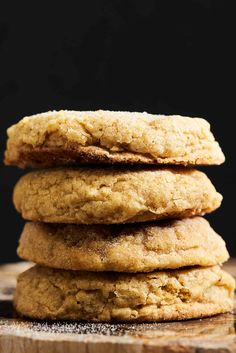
point(114, 211)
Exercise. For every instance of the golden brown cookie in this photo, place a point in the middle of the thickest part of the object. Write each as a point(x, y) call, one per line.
point(143, 247)
point(113, 195)
point(72, 137)
point(44, 293)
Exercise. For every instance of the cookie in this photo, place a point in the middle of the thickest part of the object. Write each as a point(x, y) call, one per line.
point(44, 293)
point(73, 137)
point(113, 195)
point(143, 247)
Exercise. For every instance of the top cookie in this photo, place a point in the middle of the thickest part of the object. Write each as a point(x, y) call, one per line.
point(72, 137)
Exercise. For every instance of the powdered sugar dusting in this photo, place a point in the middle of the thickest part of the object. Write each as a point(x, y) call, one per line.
point(80, 328)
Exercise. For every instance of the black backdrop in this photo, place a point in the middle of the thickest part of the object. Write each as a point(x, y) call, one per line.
point(158, 56)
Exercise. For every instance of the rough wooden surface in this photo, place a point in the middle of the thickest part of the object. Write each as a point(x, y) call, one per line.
point(216, 334)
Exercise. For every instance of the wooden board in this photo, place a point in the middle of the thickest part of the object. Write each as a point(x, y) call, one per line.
point(216, 334)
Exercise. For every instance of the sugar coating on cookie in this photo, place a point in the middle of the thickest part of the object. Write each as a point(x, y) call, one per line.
point(73, 137)
point(113, 195)
point(141, 247)
point(44, 293)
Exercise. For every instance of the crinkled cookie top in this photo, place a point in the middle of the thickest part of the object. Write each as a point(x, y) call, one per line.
point(73, 137)
point(114, 195)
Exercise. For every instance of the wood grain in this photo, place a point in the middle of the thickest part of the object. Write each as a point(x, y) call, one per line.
point(216, 334)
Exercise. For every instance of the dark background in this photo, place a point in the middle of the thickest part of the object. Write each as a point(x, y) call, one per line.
point(158, 56)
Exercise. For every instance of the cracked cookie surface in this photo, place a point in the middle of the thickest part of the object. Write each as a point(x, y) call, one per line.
point(72, 137)
point(44, 293)
point(113, 195)
point(143, 247)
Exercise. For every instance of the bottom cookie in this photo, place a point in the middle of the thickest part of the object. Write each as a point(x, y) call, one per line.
point(44, 293)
